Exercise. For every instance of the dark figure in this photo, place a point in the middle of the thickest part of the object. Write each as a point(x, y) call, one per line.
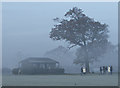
point(104, 70)
point(111, 69)
point(100, 70)
point(81, 70)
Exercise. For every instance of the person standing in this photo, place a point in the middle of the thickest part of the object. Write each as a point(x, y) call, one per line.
point(101, 70)
point(81, 70)
point(104, 69)
point(111, 69)
point(84, 70)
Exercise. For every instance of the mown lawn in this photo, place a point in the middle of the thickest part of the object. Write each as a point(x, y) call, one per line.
point(60, 80)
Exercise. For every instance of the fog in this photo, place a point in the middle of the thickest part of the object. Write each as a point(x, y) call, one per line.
point(26, 28)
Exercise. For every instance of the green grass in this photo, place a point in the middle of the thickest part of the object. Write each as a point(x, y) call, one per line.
point(60, 80)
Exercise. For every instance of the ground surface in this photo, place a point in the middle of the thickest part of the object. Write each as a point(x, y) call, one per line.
point(60, 80)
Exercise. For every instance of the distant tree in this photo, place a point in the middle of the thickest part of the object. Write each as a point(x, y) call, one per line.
point(94, 52)
point(80, 30)
point(60, 54)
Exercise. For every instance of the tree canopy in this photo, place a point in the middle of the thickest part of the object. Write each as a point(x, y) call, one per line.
point(79, 29)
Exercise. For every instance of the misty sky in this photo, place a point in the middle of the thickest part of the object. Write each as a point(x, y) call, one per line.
point(26, 26)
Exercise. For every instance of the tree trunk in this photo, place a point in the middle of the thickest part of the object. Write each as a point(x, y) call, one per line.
point(87, 66)
point(86, 61)
point(86, 58)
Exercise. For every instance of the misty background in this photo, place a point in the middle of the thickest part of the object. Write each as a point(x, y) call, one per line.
point(26, 27)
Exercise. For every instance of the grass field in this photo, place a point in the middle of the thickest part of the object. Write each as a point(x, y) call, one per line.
point(60, 80)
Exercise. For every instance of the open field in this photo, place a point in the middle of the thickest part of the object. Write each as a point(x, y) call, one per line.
point(60, 80)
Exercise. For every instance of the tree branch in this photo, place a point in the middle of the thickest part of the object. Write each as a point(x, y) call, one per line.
point(69, 47)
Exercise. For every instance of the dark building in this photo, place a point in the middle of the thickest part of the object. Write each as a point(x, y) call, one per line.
point(38, 66)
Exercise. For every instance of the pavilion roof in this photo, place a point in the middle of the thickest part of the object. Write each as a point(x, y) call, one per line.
point(39, 60)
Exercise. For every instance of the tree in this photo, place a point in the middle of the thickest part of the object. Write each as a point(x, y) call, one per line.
point(62, 55)
point(94, 52)
point(80, 30)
